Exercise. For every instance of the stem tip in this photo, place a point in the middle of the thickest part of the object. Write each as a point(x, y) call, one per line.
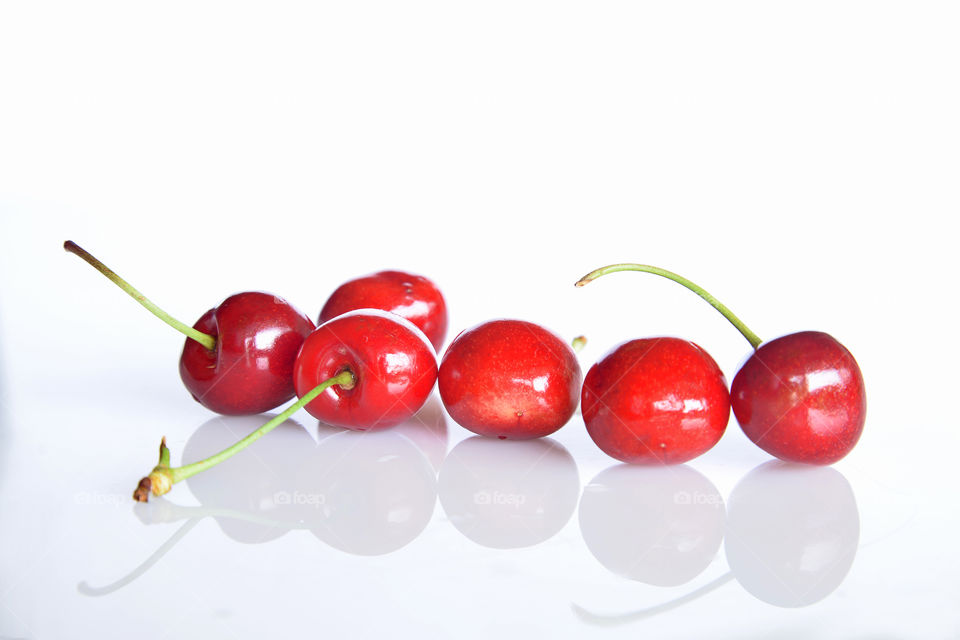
point(579, 343)
point(164, 453)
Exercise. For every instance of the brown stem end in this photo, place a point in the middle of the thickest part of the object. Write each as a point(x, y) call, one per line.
point(142, 491)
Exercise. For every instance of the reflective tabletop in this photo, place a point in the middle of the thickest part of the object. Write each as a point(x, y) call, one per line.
point(430, 530)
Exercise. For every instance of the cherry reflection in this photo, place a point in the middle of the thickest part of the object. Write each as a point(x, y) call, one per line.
point(509, 493)
point(366, 493)
point(792, 532)
point(659, 525)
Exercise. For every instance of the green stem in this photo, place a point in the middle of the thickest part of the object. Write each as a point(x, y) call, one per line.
point(751, 337)
point(205, 339)
point(578, 343)
point(163, 477)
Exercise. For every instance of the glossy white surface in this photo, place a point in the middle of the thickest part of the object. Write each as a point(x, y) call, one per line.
point(798, 161)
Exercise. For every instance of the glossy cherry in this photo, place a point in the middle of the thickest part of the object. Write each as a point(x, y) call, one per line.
point(509, 379)
point(364, 370)
point(238, 357)
point(800, 397)
point(391, 360)
point(250, 369)
point(407, 295)
point(655, 400)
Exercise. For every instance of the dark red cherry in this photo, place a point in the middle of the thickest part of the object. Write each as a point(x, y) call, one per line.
point(409, 296)
point(392, 362)
point(509, 379)
point(238, 358)
point(250, 369)
point(655, 400)
point(801, 398)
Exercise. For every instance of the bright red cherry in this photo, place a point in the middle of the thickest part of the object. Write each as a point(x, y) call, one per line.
point(238, 357)
point(250, 369)
point(392, 362)
point(800, 397)
point(364, 370)
point(409, 296)
point(655, 400)
point(509, 379)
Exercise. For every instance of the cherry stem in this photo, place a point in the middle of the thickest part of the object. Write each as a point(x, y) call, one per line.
point(578, 343)
point(163, 477)
point(751, 337)
point(205, 339)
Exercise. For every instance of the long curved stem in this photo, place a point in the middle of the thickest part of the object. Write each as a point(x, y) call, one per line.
point(163, 477)
point(751, 337)
point(203, 338)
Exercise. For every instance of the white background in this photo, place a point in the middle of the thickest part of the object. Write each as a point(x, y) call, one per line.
point(799, 160)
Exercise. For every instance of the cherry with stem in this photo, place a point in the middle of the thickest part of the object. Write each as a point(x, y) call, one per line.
point(799, 397)
point(378, 367)
point(238, 357)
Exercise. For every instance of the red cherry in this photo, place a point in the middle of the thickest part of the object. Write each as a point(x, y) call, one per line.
point(409, 296)
point(238, 357)
point(250, 370)
point(801, 398)
point(655, 400)
point(392, 362)
point(509, 379)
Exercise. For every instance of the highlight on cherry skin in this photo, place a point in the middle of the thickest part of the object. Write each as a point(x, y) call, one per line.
point(800, 397)
point(407, 295)
point(379, 372)
point(238, 357)
point(509, 379)
point(655, 401)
